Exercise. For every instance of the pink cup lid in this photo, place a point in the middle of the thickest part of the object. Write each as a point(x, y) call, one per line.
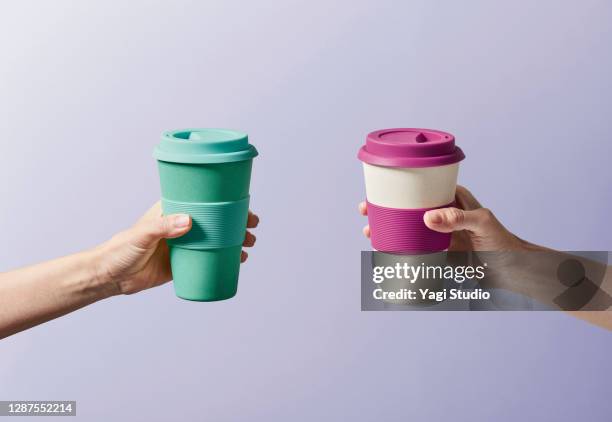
point(408, 147)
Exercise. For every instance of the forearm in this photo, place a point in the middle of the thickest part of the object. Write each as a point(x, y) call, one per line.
point(536, 272)
point(601, 318)
point(559, 279)
point(36, 294)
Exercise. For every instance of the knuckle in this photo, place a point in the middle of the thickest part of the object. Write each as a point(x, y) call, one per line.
point(454, 216)
point(163, 225)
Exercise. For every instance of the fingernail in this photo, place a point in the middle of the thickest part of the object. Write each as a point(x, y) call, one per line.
point(181, 220)
point(435, 217)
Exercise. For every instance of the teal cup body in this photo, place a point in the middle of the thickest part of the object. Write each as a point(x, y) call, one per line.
point(206, 173)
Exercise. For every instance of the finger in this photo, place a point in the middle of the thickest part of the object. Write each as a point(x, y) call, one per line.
point(363, 208)
point(465, 199)
point(161, 258)
point(252, 220)
point(249, 239)
point(366, 231)
point(446, 220)
point(149, 231)
point(243, 256)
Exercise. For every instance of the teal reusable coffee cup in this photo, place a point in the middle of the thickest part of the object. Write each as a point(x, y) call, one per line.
point(206, 173)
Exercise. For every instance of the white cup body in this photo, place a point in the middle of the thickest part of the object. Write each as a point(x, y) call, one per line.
point(410, 188)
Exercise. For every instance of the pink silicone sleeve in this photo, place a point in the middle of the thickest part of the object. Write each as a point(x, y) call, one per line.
point(399, 231)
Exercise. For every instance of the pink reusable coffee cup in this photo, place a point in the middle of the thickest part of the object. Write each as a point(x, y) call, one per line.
point(407, 173)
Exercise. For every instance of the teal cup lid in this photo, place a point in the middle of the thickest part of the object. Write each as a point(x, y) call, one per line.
point(204, 146)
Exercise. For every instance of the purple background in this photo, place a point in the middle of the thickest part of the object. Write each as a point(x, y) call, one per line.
point(85, 91)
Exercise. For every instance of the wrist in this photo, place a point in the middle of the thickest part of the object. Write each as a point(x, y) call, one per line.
point(528, 246)
point(102, 281)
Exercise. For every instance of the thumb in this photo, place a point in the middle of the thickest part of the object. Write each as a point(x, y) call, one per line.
point(446, 220)
point(151, 230)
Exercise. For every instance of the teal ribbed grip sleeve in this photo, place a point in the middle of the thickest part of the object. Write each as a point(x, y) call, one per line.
point(214, 225)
